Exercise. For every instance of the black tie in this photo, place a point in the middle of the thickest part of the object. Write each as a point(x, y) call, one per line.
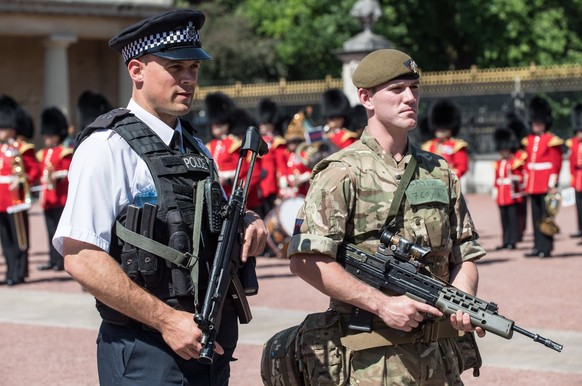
point(176, 142)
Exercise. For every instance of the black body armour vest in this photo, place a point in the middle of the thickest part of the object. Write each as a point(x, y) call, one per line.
point(176, 177)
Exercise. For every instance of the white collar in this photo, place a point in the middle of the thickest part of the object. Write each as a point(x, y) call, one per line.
point(163, 131)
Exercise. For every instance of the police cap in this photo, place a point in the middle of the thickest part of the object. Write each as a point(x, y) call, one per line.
point(173, 35)
point(381, 66)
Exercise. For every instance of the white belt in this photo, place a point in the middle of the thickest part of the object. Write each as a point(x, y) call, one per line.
point(8, 179)
point(504, 181)
point(539, 166)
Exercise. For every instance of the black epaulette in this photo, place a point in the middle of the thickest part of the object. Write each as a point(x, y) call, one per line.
point(104, 121)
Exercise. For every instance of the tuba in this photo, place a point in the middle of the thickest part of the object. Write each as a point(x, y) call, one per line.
point(552, 203)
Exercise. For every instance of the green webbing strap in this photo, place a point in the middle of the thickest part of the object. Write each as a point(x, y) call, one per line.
point(184, 260)
point(196, 229)
point(399, 193)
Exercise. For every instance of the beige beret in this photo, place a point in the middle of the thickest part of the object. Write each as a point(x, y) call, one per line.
point(383, 65)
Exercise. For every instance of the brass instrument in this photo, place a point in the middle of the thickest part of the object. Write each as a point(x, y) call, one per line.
point(552, 203)
point(19, 205)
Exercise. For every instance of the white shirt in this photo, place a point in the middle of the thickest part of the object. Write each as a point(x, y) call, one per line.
point(105, 176)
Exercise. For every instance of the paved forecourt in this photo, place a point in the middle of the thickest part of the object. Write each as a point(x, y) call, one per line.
point(48, 325)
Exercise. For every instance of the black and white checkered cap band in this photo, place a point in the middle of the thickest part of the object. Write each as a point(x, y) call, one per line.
point(186, 36)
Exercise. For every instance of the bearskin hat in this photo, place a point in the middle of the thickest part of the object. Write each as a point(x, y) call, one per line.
point(540, 111)
point(8, 112)
point(444, 114)
point(358, 118)
point(267, 112)
point(90, 105)
point(218, 107)
point(241, 120)
point(24, 124)
point(514, 123)
point(53, 122)
point(577, 117)
point(334, 103)
point(505, 140)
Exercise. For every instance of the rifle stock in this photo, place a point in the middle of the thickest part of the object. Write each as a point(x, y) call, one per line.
point(223, 279)
point(393, 268)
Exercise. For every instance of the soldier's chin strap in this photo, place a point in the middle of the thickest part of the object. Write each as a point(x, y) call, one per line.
point(399, 193)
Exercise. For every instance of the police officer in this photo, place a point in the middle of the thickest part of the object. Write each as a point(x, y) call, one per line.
point(349, 200)
point(136, 169)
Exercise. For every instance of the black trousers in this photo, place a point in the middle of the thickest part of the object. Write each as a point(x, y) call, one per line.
point(522, 217)
point(510, 224)
point(51, 218)
point(132, 356)
point(579, 209)
point(16, 258)
point(542, 243)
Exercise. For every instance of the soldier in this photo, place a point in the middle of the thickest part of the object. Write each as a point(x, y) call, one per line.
point(544, 161)
point(18, 170)
point(55, 160)
point(575, 158)
point(445, 122)
point(349, 200)
point(138, 169)
point(294, 172)
point(270, 128)
point(508, 186)
point(336, 110)
point(219, 110)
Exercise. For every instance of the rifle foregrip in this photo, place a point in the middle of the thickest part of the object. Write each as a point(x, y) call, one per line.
point(482, 314)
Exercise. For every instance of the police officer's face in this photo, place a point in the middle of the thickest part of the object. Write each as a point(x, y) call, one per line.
point(395, 103)
point(164, 87)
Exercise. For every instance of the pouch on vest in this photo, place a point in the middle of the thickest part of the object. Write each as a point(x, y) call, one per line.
point(279, 361)
point(148, 264)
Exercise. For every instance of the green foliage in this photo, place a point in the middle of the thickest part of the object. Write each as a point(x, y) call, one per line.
point(254, 40)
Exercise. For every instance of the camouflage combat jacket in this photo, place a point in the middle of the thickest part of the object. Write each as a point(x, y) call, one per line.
point(350, 196)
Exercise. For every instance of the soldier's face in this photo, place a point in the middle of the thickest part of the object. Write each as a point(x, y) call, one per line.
point(6, 134)
point(164, 87)
point(538, 127)
point(395, 103)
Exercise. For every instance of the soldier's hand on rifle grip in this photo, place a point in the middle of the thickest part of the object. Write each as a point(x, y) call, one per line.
point(462, 322)
point(404, 313)
point(255, 236)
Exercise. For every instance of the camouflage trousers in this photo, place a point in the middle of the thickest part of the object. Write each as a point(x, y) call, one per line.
point(419, 364)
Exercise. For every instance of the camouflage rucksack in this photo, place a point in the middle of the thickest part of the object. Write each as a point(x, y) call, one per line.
point(279, 362)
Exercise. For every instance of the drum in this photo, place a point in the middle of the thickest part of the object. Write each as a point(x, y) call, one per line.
point(280, 222)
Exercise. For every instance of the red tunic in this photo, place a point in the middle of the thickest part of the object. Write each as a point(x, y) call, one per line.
point(225, 154)
point(453, 150)
point(575, 159)
point(294, 175)
point(10, 172)
point(55, 163)
point(544, 161)
point(342, 137)
point(269, 184)
point(508, 181)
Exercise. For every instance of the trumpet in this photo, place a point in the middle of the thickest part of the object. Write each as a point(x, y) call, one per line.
point(20, 205)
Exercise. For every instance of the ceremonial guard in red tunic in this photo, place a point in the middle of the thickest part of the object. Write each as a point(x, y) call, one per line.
point(336, 110)
point(223, 147)
point(18, 169)
point(544, 161)
point(508, 186)
point(294, 174)
point(55, 160)
point(444, 121)
point(519, 129)
point(270, 128)
point(575, 157)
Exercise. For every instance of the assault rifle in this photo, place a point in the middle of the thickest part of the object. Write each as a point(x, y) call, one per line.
point(396, 267)
point(224, 280)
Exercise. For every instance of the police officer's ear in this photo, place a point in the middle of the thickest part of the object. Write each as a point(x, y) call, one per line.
point(135, 68)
